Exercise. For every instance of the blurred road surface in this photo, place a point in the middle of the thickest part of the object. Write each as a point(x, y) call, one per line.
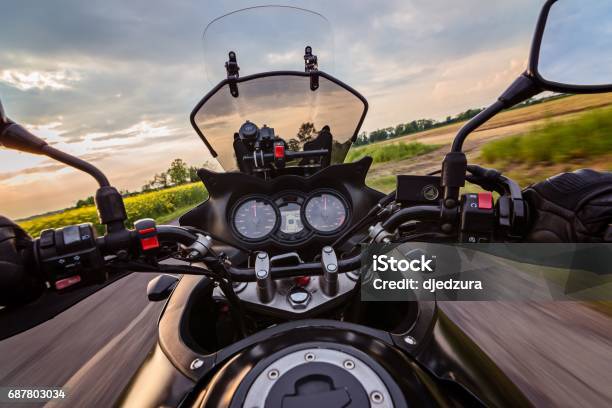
point(92, 349)
point(559, 354)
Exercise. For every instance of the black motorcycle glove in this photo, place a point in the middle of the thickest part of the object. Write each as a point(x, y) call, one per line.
point(20, 283)
point(571, 207)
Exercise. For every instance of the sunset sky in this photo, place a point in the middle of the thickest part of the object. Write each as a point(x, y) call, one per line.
point(114, 82)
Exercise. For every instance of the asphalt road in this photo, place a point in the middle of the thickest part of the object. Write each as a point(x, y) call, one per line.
point(559, 354)
point(91, 349)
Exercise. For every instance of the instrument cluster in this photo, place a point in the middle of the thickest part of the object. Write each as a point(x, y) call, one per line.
point(289, 216)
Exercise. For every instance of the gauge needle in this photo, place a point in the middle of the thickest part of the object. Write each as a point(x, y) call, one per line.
point(324, 212)
point(255, 219)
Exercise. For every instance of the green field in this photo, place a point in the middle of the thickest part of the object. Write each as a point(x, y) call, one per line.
point(382, 153)
point(586, 136)
point(162, 205)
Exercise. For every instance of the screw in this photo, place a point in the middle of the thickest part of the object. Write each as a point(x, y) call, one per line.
point(328, 250)
point(410, 340)
point(309, 357)
point(262, 274)
point(197, 363)
point(376, 397)
point(273, 374)
point(332, 267)
point(348, 364)
point(261, 255)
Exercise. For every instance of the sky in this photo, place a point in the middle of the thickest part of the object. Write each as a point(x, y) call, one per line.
point(114, 82)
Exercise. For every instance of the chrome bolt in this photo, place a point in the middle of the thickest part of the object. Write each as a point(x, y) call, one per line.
point(376, 397)
point(410, 340)
point(309, 357)
point(273, 374)
point(197, 363)
point(261, 255)
point(348, 364)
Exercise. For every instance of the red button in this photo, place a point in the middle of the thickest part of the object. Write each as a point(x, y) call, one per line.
point(485, 201)
point(149, 243)
point(302, 280)
point(64, 283)
point(279, 151)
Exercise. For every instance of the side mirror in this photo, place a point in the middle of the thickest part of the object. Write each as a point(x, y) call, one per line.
point(160, 287)
point(3, 118)
point(572, 47)
point(571, 53)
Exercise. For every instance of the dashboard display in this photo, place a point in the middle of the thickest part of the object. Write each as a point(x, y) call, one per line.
point(291, 220)
point(255, 218)
point(325, 212)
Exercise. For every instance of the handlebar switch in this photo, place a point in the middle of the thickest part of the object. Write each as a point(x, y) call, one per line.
point(477, 218)
point(329, 280)
point(266, 287)
point(69, 256)
point(147, 234)
point(279, 154)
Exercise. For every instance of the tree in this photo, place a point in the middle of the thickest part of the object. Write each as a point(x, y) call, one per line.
point(160, 180)
point(306, 132)
point(178, 172)
point(362, 139)
point(83, 203)
point(293, 144)
point(193, 174)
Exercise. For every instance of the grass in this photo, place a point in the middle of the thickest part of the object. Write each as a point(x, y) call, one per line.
point(386, 184)
point(164, 219)
point(390, 152)
point(161, 205)
point(586, 136)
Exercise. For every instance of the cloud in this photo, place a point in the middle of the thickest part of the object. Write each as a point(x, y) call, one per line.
point(49, 168)
point(143, 129)
point(26, 80)
point(114, 81)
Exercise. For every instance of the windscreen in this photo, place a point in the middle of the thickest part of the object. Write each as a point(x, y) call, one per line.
point(286, 103)
point(267, 38)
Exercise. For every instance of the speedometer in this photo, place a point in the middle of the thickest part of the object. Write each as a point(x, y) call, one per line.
point(325, 212)
point(255, 218)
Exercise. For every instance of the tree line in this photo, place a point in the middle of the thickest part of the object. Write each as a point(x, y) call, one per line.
point(421, 125)
point(414, 126)
point(178, 173)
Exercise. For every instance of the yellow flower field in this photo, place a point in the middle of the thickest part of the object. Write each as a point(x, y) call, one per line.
point(146, 205)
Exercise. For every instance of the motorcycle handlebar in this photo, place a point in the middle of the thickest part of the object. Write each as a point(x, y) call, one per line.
point(304, 269)
point(186, 237)
point(131, 245)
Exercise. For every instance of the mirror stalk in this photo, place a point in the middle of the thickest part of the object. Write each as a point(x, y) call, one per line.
point(455, 163)
point(16, 137)
point(111, 209)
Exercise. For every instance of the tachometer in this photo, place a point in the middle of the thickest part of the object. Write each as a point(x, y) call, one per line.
point(325, 212)
point(255, 218)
